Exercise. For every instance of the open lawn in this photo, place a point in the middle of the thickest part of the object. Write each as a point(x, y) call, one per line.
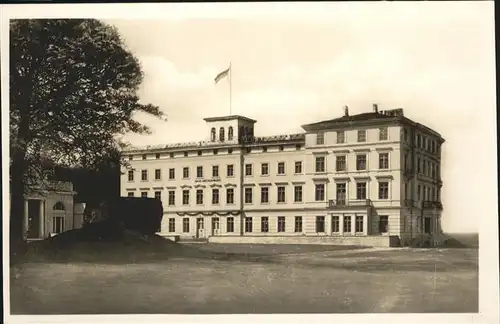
point(255, 279)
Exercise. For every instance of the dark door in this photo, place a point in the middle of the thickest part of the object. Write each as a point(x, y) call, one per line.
point(34, 218)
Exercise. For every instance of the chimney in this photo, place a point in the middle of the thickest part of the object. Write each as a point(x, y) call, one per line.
point(375, 108)
point(346, 110)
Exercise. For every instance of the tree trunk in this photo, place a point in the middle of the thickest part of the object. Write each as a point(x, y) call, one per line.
point(17, 199)
point(17, 185)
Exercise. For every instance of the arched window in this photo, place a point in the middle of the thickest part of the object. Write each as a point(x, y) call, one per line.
point(230, 133)
point(241, 134)
point(221, 134)
point(212, 134)
point(58, 206)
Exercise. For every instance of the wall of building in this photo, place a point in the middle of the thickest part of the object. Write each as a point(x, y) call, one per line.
point(375, 241)
point(287, 151)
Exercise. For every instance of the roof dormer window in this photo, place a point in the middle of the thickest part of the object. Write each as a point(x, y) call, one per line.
point(221, 134)
point(213, 134)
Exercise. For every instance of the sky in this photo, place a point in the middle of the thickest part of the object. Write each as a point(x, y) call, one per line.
point(434, 61)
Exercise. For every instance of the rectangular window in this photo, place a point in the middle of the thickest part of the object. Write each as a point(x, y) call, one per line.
point(424, 167)
point(298, 224)
point(144, 194)
point(157, 156)
point(320, 164)
point(185, 197)
point(361, 135)
point(171, 225)
point(215, 196)
point(298, 167)
point(281, 168)
point(215, 171)
point(185, 225)
point(281, 194)
point(347, 224)
point(264, 224)
point(361, 190)
point(248, 195)
point(171, 173)
point(298, 194)
point(230, 196)
point(130, 157)
point(419, 192)
point(248, 169)
point(144, 157)
point(361, 162)
point(335, 224)
point(427, 225)
point(419, 165)
point(383, 224)
point(130, 194)
point(320, 139)
point(144, 175)
point(199, 197)
point(199, 172)
point(340, 163)
point(382, 134)
point(131, 175)
point(320, 224)
point(230, 170)
point(383, 190)
point(158, 195)
point(341, 193)
point(57, 224)
point(264, 169)
point(158, 174)
point(319, 192)
point(383, 161)
point(359, 224)
point(340, 137)
point(185, 173)
point(230, 224)
point(281, 224)
point(171, 198)
point(264, 195)
point(248, 224)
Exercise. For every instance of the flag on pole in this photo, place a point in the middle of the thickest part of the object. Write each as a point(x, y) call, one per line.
point(222, 75)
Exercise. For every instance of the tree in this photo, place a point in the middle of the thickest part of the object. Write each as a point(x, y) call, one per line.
point(93, 186)
point(73, 91)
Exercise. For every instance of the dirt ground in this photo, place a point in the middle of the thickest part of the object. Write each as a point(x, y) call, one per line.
point(269, 279)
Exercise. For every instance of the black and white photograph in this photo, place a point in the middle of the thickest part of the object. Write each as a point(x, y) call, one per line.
point(291, 159)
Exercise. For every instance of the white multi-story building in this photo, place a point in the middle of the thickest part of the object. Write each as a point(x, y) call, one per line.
point(366, 179)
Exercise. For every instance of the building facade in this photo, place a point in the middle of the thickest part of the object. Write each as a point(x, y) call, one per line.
point(366, 179)
point(50, 211)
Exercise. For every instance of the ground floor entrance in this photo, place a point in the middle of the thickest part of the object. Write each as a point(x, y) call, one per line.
point(200, 228)
point(34, 219)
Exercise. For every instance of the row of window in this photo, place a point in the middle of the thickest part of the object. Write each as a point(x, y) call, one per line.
point(427, 193)
point(319, 194)
point(423, 142)
point(244, 132)
point(383, 224)
point(320, 166)
point(214, 151)
point(382, 136)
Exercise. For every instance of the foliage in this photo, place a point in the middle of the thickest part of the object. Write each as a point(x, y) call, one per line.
point(73, 90)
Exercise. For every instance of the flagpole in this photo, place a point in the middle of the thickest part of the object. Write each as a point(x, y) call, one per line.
point(230, 88)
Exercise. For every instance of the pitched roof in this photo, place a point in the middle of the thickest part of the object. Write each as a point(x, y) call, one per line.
point(352, 118)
